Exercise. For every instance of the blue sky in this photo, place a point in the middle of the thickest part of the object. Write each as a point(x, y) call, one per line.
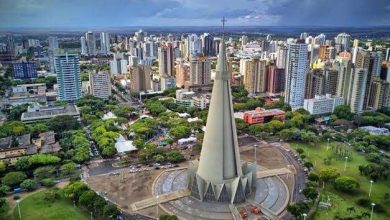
point(116, 13)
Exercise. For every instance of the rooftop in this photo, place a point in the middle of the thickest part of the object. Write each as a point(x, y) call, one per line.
point(42, 113)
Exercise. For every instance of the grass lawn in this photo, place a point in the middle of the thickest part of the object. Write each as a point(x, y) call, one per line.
point(34, 207)
point(341, 201)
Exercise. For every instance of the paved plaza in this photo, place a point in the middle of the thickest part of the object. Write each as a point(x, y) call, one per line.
point(272, 196)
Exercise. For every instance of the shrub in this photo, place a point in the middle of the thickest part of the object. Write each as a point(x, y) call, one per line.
point(346, 183)
point(313, 177)
point(13, 178)
point(48, 182)
point(4, 189)
point(29, 184)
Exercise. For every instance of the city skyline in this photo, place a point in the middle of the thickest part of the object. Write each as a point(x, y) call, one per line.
point(126, 13)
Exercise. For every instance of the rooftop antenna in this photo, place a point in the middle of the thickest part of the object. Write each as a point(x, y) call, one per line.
point(223, 25)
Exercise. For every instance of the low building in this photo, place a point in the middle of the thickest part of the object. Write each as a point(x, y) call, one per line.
point(375, 130)
point(184, 97)
point(37, 113)
point(46, 143)
point(35, 88)
point(122, 145)
point(14, 148)
point(261, 115)
point(322, 105)
point(200, 102)
point(25, 70)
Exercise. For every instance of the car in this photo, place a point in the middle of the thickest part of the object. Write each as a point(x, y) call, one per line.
point(243, 213)
point(255, 210)
point(114, 174)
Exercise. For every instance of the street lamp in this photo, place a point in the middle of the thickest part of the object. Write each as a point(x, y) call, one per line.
point(345, 165)
point(74, 203)
point(304, 216)
point(91, 215)
point(17, 203)
point(327, 146)
point(372, 210)
point(369, 193)
point(255, 148)
point(157, 205)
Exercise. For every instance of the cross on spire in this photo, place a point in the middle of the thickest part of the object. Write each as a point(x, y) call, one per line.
point(223, 24)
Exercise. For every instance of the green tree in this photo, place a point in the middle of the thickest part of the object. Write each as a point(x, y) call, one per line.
point(3, 167)
point(180, 131)
point(29, 184)
point(4, 189)
point(44, 172)
point(86, 199)
point(175, 156)
point(110, 211)
point(310, 193)
point(13, 178)
point(51, 195)
point(68, 168)
point(297, 209)
point(74, 190)
point(346, 183)
point(168, 217)
point(63, 123)
point(22, 164)
point(48, 182)
point(343, 112)
point(328, 174)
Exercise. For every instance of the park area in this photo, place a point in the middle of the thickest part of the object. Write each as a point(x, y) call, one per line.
point(36, 207)
point(322, 156)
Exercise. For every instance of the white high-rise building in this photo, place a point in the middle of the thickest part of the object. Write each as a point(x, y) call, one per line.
point(297, 66)
point(84, 50)
point(387, 58)
point(53, 43)
point(104, 42)
point(194, 44)
point(100, 84)
point(281, 57)
point(344, 40)
point(118, 66)
point(358, 90)
point(91, 43)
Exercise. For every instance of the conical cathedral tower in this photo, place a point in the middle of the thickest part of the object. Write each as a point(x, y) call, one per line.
point(219, 174)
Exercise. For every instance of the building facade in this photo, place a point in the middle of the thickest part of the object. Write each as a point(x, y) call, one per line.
point(25, 70)
point(68, 76)
point(321, 105)
point(100, 84)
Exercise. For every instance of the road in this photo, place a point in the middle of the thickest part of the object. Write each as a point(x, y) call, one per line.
point(299, 178)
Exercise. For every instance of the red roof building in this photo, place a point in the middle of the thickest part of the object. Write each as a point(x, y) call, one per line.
point(261, 115)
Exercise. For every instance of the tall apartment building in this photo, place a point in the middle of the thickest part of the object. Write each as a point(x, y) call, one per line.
point(68, 76)
point(84, 49)
point(358, 89)
point(200, 70)
point(208, 45)
point(297, 66)
point(331, 77)
point(281, 57)
point(118, 66)
point(315, 83)
point(379, 93)
point(182, 73)
point(25, 70)
point(387, 58)
point(344, 85)
point(344, 40)
point(255, 75)
point(91, 43)
point(166, 59)
point(104, 42)
point(276, 79)
point(140, 78)
point(100, 84)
